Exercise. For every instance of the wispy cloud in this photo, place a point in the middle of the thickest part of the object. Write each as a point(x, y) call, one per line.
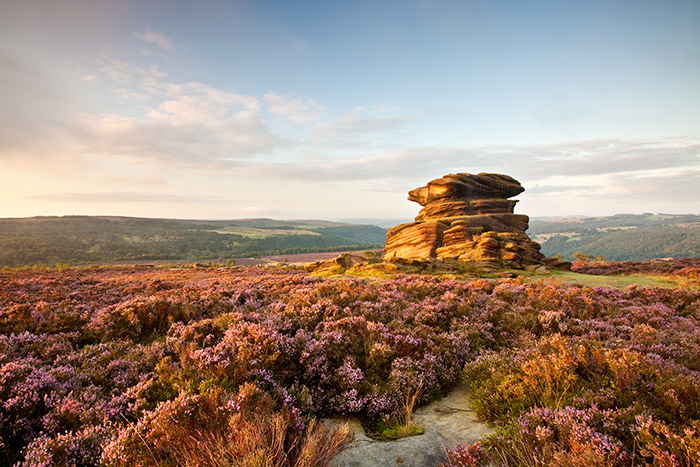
point(179, 139)
point(600, 157)
point(584, 160)
point(683, 185)
point(186, 124)
point(152, 37)
point(191, 125)
point(124, 197)
point(598, 176)
point(354, 123)
point(318, 166)
point(361, 127)
point(296, 109)
point(196, 125)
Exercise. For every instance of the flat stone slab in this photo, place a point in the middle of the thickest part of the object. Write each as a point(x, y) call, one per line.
point(447, 422)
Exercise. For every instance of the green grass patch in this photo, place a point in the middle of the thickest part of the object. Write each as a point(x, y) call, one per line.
point(622, 282)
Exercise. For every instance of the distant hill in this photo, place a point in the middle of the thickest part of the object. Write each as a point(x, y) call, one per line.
point(77, 240)
point(623, 237)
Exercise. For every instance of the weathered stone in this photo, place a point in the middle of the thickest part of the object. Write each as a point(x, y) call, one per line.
point(510, 256)
point(557, 263)
point(476, 207)
point(414, 240)
point(470, 218)
point(466, 186)
point(348, 260)
point(321, 264)
point(488, 243)
point(498, 222)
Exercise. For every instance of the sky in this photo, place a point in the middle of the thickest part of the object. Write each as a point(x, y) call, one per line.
point(335, 109)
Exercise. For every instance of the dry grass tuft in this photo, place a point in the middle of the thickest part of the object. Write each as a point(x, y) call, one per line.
point(273, 440)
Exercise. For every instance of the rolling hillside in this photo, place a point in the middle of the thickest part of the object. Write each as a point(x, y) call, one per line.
point(623, 237)
point(83, 240)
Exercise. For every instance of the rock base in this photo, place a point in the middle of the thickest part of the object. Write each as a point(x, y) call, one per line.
point(467, 218)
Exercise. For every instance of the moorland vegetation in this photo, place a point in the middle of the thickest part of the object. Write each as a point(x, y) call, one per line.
point(132, 366)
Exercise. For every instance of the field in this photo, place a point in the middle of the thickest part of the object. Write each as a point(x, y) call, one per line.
point(261, 233)
point(84, 240)
point(148, 366)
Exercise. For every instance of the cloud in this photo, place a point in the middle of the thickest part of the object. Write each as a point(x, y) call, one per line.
point(602, 177)
point(124, 197)
point(597, 157)
point(124, 72)
point(186, 124)
point(355, 123)
point(154, 38)
point(35, 102)
point(195, 125)
point(412, 163)
point(666, 191)
point(298, 110)
point(561, 190)
point(621, 173)
point(172, 134)
point(628, 171)
point(361, 127)
point(681, 185)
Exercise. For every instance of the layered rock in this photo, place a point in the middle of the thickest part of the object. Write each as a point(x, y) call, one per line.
point(469, 218)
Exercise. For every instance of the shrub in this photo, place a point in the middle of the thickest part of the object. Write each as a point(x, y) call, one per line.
point(213, 430)
point(664, 446)
point(466, 455)
point(562, 437)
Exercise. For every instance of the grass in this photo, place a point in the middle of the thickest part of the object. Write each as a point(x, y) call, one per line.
point(621, 282)
point(205, 435)
point(403, 426)
point(389, 270)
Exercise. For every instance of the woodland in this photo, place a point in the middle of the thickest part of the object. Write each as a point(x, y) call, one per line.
point(624, 237)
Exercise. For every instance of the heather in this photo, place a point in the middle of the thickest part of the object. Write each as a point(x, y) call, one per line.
point(126, 366)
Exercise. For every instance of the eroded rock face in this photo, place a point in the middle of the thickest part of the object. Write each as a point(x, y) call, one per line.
point(469, 218)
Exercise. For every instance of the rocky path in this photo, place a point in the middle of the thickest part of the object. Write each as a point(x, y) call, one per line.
point(447, 422)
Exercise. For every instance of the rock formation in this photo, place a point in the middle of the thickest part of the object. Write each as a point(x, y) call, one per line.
point(468, 218)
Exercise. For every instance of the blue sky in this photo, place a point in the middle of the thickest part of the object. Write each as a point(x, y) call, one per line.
point(336, 109)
